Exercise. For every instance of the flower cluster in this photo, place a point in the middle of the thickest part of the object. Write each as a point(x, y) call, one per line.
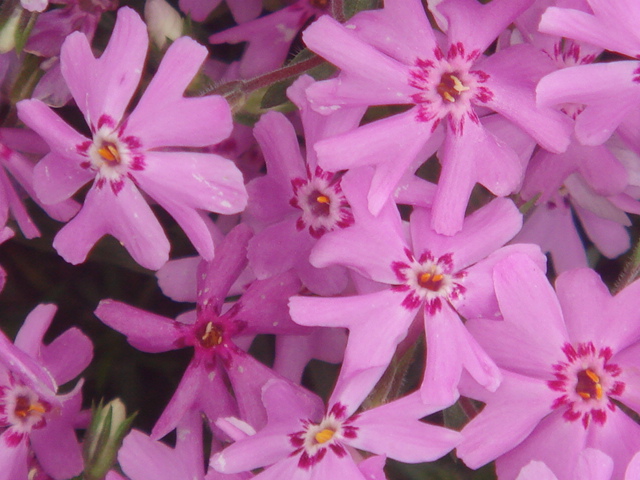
point(398, 224)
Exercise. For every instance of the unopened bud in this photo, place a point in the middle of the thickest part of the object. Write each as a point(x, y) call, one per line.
point(163, 21)
point(109, 425)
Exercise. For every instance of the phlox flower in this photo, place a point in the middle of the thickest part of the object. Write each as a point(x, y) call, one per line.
point(610, 91)
point(139, 151)
point(302, 440)
point(569, 358)
point(421, 273)
point(216, 331)
point(33, 417)
point(446, 83)
point(297, 202)
point(17, 171)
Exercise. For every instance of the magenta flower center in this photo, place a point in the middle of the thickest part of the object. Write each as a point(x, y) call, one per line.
point(450, 87)
point(211, 336)
point(314, 439)
point(22, 410)
point(447, 87)
point(586, 381)
point(428, 280)
point(324, 206)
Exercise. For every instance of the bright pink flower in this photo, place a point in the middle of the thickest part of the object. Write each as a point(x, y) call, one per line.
point(218, 332)
point(568, 358)
point(303, 441)
point(297, 202)
point(127, 154)
point(33, 417)
point(449, 83)
point(425, 272)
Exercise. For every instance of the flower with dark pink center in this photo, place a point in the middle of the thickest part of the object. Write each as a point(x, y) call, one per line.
point(569, 359)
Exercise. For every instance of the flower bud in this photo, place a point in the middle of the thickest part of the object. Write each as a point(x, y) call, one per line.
point(163, 22)
point(109, 425)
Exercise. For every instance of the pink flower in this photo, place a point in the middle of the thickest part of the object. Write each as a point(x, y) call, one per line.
point(303, 441)
point(448, 83)
point(33, 417)
point(127, 154)
point(568, 358)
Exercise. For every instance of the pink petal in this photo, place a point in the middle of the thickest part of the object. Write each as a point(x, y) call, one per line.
point(146, 331)
point(68, 355)
point(511, 414)
point(105, 86)
point(555, 441)
point(31, 334)
point(126, 216)
point(142, 458)
point(194, 121)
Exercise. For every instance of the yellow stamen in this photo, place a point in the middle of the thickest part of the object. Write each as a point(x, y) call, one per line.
point(425, 277)
point(447, 96)
point(324, 435)
point(37, 407)
point(591, 374)
point(598, 391)
point(457, 85)
point(322, 199)
point(109, 153)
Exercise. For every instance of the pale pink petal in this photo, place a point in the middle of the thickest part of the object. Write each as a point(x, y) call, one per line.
point(280, 147)
point(594, 465)
point(527, 299)
point(56, 446)
point(13, 458)
point(511, 414)
point(400, 30)
point(68, 355)
point(30, 336)
point(581, 26)
point(555, 441)
point(483, 232)
point(536, 470)
point(193, 121)
point(393, 429)
point(619, 438)
point(126, 216)
point(105, 86)
point(142, 458)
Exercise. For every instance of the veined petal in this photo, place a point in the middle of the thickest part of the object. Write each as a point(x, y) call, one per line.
point(105, 86)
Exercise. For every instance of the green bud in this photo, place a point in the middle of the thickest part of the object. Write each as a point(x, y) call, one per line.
point(109, 425)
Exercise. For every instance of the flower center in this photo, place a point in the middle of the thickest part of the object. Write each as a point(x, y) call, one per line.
point(24, 407)
point(109, 152)
point(323, 436)
point(428, 280)
point(588, 385)
point(324, 206)
point(450, 87)
point(586, 381)
point(319, 203)
point(431, 280)
point(212, 336)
